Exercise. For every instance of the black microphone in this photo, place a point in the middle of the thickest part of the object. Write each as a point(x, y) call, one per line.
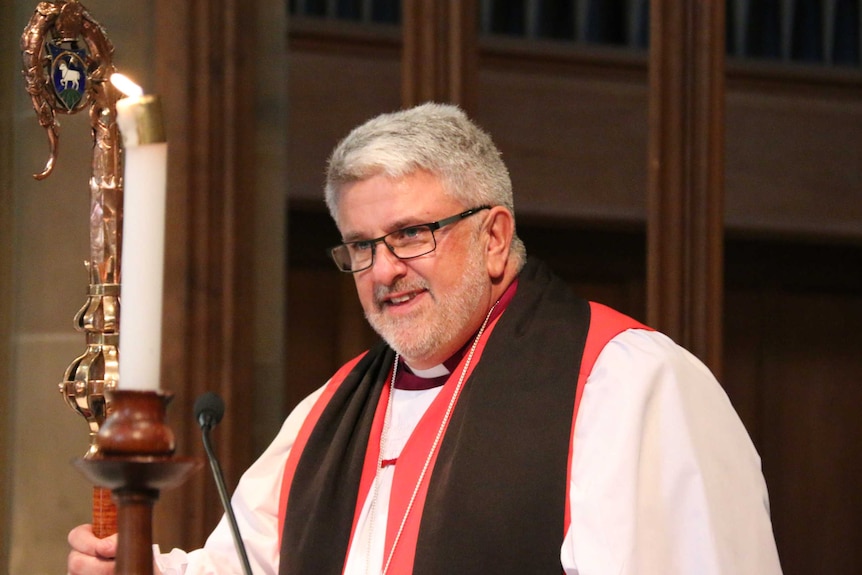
point(209, 409)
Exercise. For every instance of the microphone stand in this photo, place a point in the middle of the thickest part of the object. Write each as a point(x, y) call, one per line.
point(225, 499)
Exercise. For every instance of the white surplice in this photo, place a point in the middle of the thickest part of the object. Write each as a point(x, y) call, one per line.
point(664, 478)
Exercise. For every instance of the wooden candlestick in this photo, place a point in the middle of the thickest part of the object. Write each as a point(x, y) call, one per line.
point(136, 463)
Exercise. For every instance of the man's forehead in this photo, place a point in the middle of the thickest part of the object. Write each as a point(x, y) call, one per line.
point(388, 201)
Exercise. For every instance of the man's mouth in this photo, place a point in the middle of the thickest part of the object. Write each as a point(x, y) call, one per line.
point(398, 294)
point(399, 298)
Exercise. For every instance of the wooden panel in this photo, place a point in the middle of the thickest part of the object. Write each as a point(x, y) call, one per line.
point(326, 324)
point(794, 166)
point(810, 397)
point(329, 94)
point(607, 266)
point(575, 146)
point(786, 392)
point(572, 125)
point(742, 350)
point(792, 371)
point(313, 301)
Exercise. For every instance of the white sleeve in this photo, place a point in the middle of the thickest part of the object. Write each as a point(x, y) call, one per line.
point(664, 477)
point(255, 503)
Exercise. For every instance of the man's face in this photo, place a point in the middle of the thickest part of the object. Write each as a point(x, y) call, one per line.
point(426, 308)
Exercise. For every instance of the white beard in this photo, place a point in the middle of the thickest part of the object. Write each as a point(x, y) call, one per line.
point(428, 329)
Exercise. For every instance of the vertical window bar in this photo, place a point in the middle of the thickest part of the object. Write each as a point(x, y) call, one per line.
point(576, 18)
point(485, 16)
point(632, 22)
point(637, 24)
point(740, 27)
point(828, 31)
point(582, 8)
point(531, 19)
point(788, 9)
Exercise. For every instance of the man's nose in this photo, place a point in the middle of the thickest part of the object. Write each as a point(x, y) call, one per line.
point(387, 265)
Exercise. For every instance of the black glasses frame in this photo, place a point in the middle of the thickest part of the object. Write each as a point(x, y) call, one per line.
point(432, 226)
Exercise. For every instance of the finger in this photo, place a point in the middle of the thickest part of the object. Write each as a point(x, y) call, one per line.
point(107, 547)
point(80, 564)
point(82, 540)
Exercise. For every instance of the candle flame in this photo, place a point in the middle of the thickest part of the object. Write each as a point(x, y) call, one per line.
point(126, 86)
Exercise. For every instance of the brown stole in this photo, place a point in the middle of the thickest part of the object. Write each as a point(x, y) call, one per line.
point(496, 499)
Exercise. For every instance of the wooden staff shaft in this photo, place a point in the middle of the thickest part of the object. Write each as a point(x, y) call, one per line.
point(104, 513)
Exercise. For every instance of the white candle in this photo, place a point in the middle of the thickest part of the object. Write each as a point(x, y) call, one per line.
point(143, 240)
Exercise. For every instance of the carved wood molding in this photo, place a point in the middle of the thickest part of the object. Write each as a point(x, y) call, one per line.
point(343, 37)
point(348, 38)
point(439, 52)
point(686, 175)
point(205, 69)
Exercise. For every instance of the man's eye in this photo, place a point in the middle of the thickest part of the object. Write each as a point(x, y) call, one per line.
point(362, 246)
point(408, 233)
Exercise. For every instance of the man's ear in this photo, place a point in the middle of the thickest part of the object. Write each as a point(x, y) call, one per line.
point(500, 229)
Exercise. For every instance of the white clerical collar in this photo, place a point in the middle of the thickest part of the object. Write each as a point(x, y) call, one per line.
point(436, 371)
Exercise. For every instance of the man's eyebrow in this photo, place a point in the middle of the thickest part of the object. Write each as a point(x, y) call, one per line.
point(352, 237)
point(406, 223)
point(393, 227)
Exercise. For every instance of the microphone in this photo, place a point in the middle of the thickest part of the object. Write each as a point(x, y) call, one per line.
point(209, 409)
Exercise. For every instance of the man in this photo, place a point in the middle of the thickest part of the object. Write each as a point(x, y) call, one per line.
point(505, 426)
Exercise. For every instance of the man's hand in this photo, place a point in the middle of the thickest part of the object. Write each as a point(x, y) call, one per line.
point(90, 555)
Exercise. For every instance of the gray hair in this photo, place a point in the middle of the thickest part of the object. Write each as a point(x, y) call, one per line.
point(436, 138)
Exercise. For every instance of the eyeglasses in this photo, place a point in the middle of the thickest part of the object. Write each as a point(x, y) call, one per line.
point(406, 243)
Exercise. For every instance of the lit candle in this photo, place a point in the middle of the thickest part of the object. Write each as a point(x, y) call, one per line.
point(143, 242)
